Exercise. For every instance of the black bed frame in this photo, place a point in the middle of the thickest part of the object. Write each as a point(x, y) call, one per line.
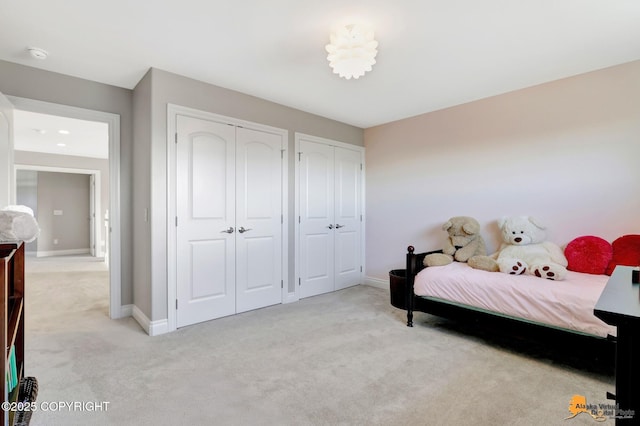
point(583, 351)
point(415, 303)
point(445, 309)
point(437, 307)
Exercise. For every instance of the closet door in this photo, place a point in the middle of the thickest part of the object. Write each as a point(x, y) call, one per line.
point(316, 189)
point(347, 217)
point(205, 237)
point(330, 222)
point(259, 219)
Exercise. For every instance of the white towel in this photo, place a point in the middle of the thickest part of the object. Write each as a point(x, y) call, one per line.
point(18, 224)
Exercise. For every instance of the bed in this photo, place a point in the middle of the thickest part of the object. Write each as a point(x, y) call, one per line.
point(456, 289)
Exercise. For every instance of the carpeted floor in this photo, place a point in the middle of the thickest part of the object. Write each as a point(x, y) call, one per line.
point(344, 358)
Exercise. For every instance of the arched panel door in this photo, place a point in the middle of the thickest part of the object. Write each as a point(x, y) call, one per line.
point(205, 238)
point(259, 219)
point(229, 209)
point(330, 193)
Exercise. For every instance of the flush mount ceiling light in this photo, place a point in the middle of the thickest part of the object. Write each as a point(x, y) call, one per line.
point(352, 51)
point(38, 53)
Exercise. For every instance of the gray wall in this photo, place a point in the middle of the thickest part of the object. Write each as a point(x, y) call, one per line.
point(6, 151)
point(73, 162)
point(148, 179)
point(66, 193)
point(27, 195)
point(151, 96)
point(141, 195)
point(32, 83)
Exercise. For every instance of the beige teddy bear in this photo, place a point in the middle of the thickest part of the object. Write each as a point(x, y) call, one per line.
point(463, 243)
point(524, 251)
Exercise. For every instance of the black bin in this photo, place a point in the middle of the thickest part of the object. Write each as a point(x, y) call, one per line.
point(398, 288)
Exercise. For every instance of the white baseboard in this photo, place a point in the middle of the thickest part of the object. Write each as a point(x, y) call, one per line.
point(142, 319)
point(290, 298)
point(126, 311)
point(158, 327)
point(42, 253)
point(377, 282)
point(152, 328)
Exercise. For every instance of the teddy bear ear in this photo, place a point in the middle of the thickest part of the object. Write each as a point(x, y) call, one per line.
point(502, 221)
point(471, 227)
point(447, 225)
point(536, 222)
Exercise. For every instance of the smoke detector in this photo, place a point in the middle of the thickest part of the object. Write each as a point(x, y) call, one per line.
point(38, 53)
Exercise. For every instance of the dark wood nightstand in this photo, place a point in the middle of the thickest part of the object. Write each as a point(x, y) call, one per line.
point(619, 305)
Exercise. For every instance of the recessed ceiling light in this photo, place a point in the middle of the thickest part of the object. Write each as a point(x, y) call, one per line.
point(61, 144)
point(38, 53)
point(64, 132)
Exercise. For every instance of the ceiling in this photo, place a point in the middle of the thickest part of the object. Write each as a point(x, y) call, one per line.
point(431, 55)
point(37, 132)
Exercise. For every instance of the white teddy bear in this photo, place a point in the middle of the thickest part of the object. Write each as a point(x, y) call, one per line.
point(525, 251)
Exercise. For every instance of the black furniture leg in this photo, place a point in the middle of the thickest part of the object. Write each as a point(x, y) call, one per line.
point(627, 375)
point(410, 274)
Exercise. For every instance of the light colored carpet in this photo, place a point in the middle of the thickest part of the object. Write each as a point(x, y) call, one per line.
point(344, 358)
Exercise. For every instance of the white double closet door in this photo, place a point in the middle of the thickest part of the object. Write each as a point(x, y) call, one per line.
point(229, 219)
point(330, 198)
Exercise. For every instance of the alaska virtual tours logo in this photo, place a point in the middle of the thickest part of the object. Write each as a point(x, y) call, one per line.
point(599, 412)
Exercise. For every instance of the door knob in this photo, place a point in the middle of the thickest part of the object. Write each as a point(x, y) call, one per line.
point(228, 231)
point(330, 226)
point(338, 226)
point(242, 230)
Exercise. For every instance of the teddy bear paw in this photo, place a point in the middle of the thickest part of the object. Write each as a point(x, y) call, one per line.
point(513, 267)
point(437, 259)
point(549, 271)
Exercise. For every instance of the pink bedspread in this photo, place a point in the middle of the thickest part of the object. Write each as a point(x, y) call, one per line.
point(566, 304)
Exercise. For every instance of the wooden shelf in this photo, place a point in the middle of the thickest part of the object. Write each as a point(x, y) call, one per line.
point(13, 323)
point(11, 317)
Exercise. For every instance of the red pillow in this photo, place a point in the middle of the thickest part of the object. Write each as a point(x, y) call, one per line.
point(588, 254)
point(626, 251)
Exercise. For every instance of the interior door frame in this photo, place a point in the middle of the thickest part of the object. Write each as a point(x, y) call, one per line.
point(94, 205)
point(7, 181)
point(173, 111)
point(94, 197)
point(116, 310)
point(295, 296)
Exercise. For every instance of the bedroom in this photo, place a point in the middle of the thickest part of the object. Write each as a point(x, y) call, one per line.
point(581, 130)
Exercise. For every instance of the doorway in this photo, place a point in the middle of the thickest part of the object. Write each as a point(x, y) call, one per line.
point(36, 154)
point(67, 205)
